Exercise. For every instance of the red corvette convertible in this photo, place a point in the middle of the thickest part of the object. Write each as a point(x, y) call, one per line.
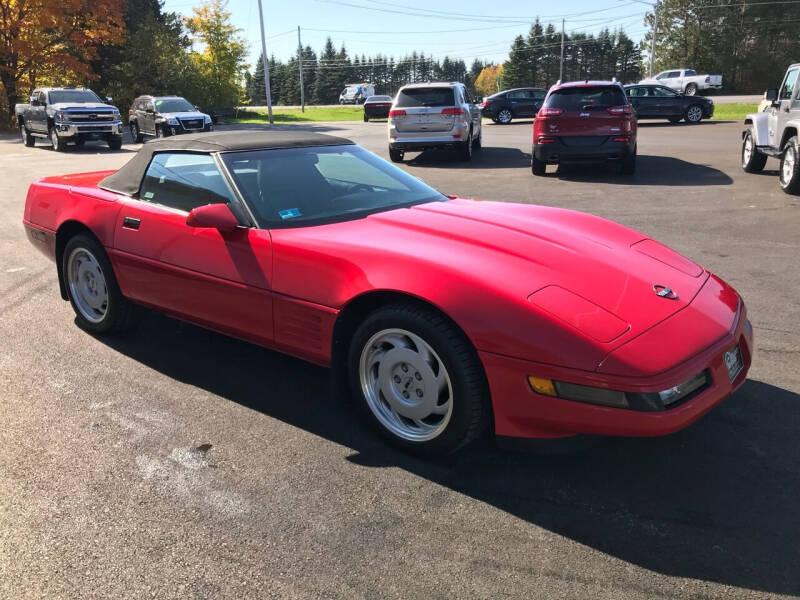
point(446, 315)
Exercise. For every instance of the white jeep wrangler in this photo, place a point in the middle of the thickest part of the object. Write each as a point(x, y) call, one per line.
point(775, 132)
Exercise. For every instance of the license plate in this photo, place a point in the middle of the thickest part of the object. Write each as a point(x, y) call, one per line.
point(733, 362)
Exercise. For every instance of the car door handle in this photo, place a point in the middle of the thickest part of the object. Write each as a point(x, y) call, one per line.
point(130, 223)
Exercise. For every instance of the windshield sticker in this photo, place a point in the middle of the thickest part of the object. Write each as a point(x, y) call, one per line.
point(148, 195)
point(289, 213)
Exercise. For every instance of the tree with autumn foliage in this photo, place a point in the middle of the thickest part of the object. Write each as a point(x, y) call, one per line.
point(219, 55)
point(488, 80)
point(52, 42)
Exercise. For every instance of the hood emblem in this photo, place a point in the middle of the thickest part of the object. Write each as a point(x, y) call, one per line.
point(663, 291)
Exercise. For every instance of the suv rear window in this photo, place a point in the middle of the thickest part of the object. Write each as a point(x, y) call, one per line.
point(586, 98)
point(425, 97)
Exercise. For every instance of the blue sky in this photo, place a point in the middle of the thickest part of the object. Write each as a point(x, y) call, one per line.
point(465, 29)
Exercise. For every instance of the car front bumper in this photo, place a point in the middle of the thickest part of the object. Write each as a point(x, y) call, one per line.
point(560, 152)
point(106, 128)
point(521, 413)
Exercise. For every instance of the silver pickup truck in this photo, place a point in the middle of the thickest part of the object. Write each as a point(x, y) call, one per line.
point(774, 132)
point(63, 115)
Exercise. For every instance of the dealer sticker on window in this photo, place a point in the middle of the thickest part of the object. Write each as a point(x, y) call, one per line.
point(289, 213)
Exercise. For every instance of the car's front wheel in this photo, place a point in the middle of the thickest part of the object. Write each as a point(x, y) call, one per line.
point(790, 167)
point(694, 114)
point(753, 161)
point(418, 379)
point(115, 143)
point(92, 287)
point(58, 143)
point(505, 116)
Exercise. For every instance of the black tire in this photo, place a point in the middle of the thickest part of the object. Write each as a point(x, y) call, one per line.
point(160, 133)
point(366, 119)
point(115, 143)
point(58, 143)
point(790, 172)
point(469, 395)
point(756, 160)
point(628, 166)
point(693, 114)
point(26, 136)
point(504, 116)
point(119, 314)
point(691, 89)
point(135, 133)
point(674, 120)
point(477, 143)
point(396, 155)
point(465, 148)
point(495, 121)
point(538, 167)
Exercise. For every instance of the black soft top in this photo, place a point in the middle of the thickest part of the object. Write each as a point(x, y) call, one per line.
point(128, 178)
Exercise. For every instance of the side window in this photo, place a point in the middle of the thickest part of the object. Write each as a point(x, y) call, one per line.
point(789, 84)
point(184, 181)
point(690, 73)
point(467, 99)
point(539, 95)
point(673, 74)
point(663, 92)
point(637, 92)
point(150, 106)
point(42, 99)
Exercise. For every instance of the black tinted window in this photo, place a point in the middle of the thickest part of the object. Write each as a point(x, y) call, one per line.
point(586, 98)
point(410, 98)
point(73, 96)
point(168, 105)
point(184, 181)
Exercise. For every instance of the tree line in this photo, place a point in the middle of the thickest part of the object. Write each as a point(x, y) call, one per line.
point(749, 43)
point(325, 75)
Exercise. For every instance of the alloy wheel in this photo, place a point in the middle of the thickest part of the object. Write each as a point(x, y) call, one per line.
point(504, 116)
point(87, 285)
point(406, 385)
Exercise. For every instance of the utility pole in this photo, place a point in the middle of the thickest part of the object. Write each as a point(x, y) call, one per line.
point(266, 62)
point(653, 39)
point(300, 66)
point(561, 70)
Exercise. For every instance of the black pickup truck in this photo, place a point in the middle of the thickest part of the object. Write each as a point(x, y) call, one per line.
point(63, 115)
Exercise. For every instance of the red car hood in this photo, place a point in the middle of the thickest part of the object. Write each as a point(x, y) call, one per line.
point(584, 272)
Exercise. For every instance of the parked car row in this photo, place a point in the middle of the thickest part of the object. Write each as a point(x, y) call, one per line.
point(77, 115)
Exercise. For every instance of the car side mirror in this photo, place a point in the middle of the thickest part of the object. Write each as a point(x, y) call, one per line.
point(34, 101)
point(150, 111)
point(771, 94)
point(109, 99)
point(213, 216)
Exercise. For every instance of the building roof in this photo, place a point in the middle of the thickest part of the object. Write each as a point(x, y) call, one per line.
point(129, 177)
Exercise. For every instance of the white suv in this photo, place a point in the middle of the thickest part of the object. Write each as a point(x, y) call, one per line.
point(434, 115)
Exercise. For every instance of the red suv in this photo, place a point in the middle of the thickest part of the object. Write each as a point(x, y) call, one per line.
point(584, 121)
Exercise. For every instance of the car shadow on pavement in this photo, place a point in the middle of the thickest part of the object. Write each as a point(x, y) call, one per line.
point(659, 123)
point(716, 502)
point(488, 157)
point(650, 170)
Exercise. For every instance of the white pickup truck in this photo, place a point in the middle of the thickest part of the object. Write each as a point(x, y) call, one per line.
point(686, 81)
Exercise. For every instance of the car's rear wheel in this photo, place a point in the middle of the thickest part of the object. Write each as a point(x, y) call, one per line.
point(629, 164)
point(366, 119)
point(135, 133)
point(505, 116)
point(396, 155)
point(418, 379)
point(538, 167)
point(694, 114)
point(465, 148)
point(57, 142)
point(92, 287)
point(691, 89)
point(27, 138)
point(753, 161)
point(477, 143)
point(790, 167)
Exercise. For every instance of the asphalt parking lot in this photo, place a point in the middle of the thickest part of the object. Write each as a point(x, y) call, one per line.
point(173, 462)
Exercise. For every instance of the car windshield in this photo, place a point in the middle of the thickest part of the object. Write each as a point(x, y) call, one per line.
point(59, 96)
point(413, 97)
point(586, 98)
point(297, 187)
point(351, 90)
point(171, 105)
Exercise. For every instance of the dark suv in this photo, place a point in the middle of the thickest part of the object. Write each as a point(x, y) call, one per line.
point(585, 121)
point(504, 106)
point(159, 116)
